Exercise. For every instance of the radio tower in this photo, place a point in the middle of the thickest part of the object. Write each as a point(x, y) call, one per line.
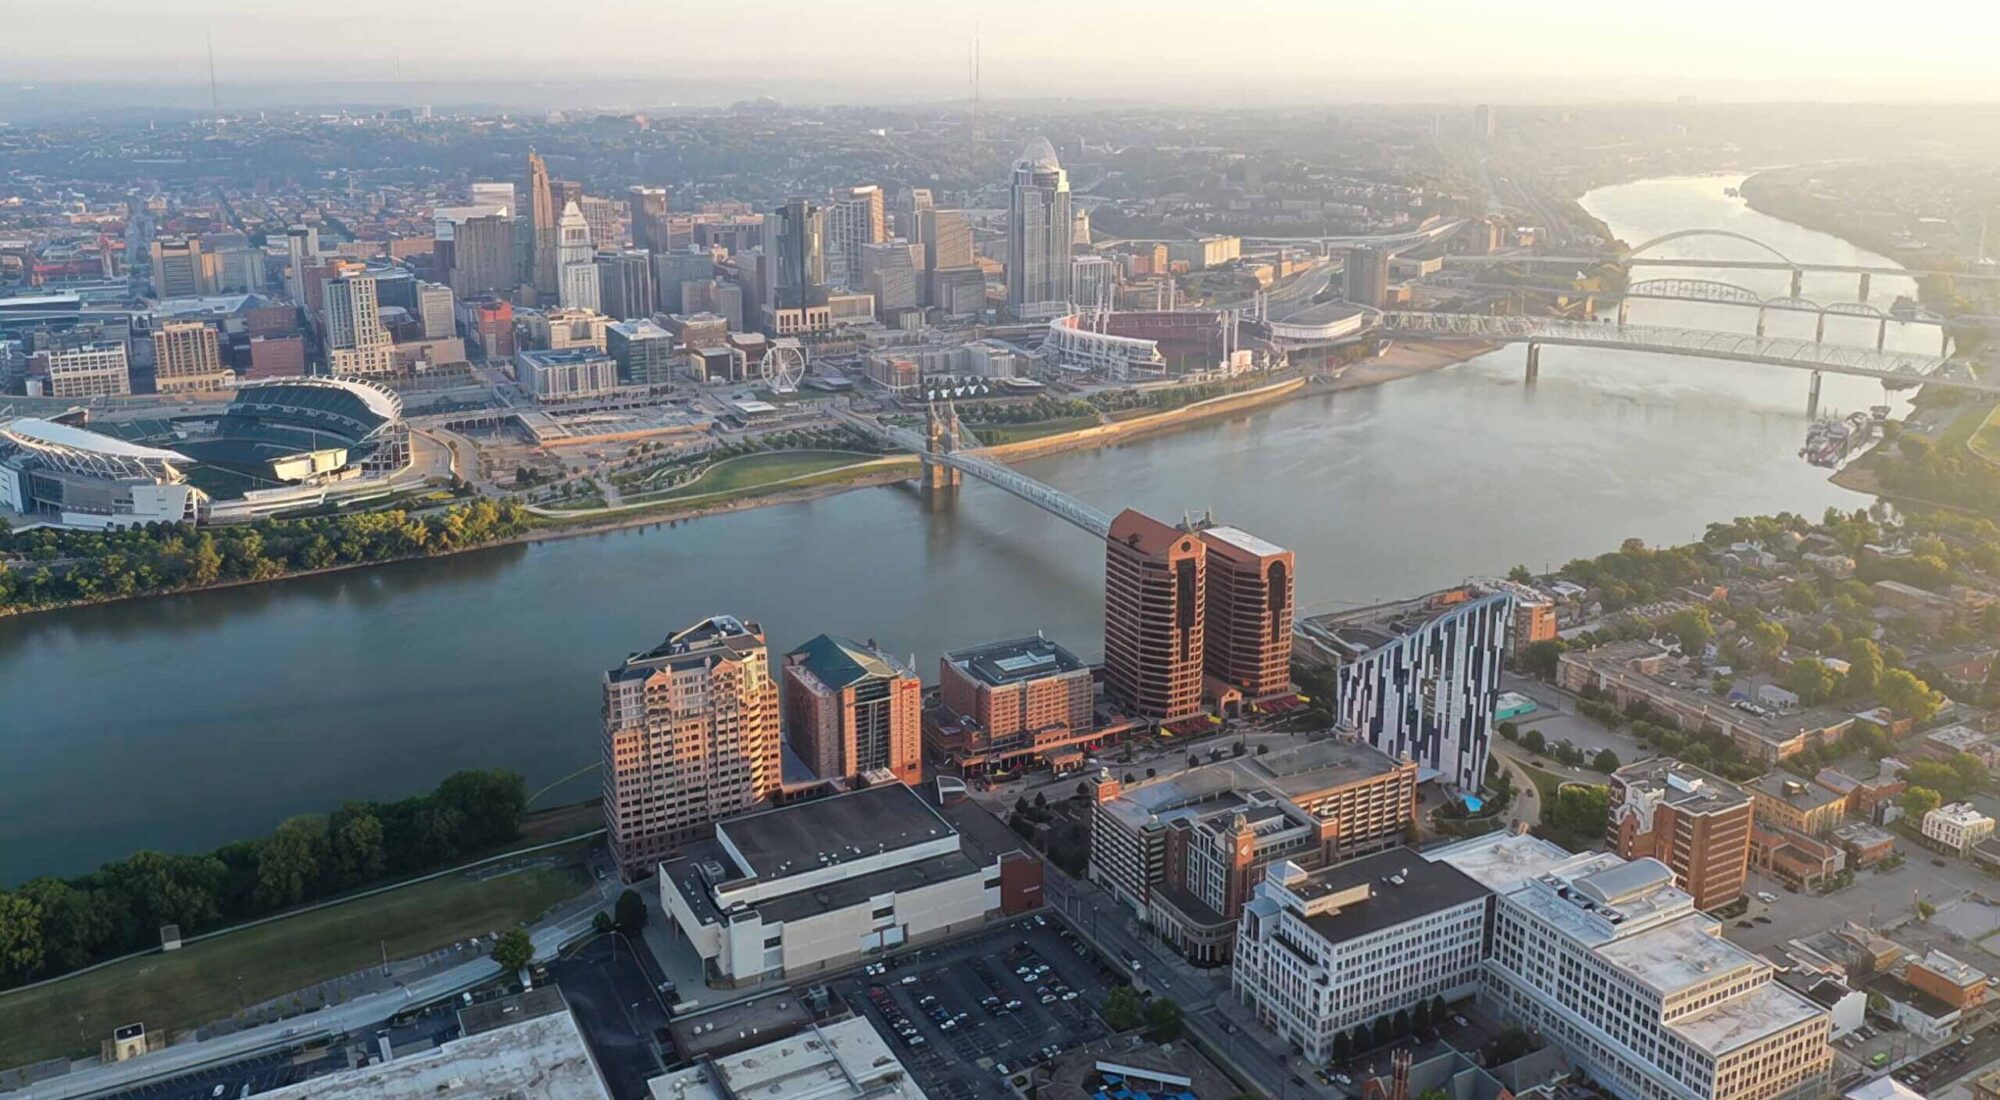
point(975, 83)
point(214, 102)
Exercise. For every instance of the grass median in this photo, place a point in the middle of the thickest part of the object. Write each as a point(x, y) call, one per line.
point(208, 981)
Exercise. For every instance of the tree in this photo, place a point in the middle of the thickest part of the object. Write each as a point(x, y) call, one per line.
point(1163, 1018)
point(1533, 741)
point(1605, 761)
point(20, 937)
point(1812, 681)
point(1691, 627)
point(513, 950)
point(631, 913)
point(601, 923)
point(1908, 696)
point(1579, 809)
point(355, 851)
point(1768, 638)
point(1122, 1009)
point(1918, 801)
point(1539, 659)
point(289, 861)
point(1864, 667)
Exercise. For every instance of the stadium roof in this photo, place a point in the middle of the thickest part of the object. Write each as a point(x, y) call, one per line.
point(379, 401)
point(49, 433)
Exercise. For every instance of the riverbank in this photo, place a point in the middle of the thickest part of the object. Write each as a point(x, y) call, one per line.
point(1400, 361)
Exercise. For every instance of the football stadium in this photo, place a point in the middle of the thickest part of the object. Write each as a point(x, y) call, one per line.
point(279, 445)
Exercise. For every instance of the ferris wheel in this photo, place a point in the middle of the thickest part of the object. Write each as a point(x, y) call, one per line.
point(784, 365)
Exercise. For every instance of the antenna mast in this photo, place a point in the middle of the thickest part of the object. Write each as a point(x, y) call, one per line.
point(214, 102)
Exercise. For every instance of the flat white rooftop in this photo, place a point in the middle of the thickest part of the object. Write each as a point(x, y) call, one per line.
point(542, 1058)
point(1765, 1010)
point(1678, 954)
point(1244, 540)
point(1504, 863)
point(839, 1061)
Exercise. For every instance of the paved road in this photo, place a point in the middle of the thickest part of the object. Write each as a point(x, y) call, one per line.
point(362, 1012)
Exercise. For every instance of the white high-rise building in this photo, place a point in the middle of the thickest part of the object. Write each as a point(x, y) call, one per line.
point(1612, 963)
point(576, 261)
point(854, 220)
point(438, 307)
point(1319, 953)
point(1040, 232)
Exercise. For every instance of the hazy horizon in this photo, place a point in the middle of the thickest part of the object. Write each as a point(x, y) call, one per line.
point(1257, 52)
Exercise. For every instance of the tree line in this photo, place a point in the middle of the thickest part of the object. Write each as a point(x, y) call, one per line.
point(46, 567)
point(51, 925)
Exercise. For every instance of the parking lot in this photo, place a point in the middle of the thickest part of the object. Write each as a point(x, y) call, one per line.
point(1010, 997)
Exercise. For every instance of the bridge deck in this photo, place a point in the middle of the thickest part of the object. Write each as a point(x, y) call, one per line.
point(1039, 494)
point(1898, 366)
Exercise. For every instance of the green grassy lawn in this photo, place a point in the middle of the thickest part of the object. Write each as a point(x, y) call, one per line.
point(996, 434)
point(754, 470)
point(200, 983)
point(1981, 434)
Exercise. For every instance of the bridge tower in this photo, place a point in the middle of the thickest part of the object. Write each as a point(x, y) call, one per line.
point(1761, 311)
point(940, 438)
point(1624, 311)
point(1534, 363)
point(1798, 282)
point(1812, 397)
point(1819, 329)
point(1864, 287)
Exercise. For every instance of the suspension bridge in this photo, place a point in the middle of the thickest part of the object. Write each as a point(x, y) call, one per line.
point(943, 462)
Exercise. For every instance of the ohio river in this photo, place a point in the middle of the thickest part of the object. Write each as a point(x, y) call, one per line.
point(186, 722)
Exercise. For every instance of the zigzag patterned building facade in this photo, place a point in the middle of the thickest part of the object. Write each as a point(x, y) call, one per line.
point(1420, 678)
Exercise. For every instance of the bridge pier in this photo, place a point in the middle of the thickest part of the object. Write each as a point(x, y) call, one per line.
point(1812, 397)
point(1624, 311)
point(1534, 364)
point(940, 478)
point(1819, 328)
point(1760, 320)
point(1798, 282)
point(1864, 287)
point(1944, 342)
point(1881, 333)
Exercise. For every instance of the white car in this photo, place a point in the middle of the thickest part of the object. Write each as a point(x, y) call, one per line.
point(1767, 897)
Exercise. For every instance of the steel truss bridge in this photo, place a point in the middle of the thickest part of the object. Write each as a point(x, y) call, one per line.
point(1887, 366)
point(1042, 496)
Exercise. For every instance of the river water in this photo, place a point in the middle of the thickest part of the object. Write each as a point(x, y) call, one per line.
point(185, 722)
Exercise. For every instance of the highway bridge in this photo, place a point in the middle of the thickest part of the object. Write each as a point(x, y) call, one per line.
point(1041, 495)
point(1887, 366)
point(1771, 260)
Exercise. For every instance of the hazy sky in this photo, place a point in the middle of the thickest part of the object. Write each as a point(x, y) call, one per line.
point(1228, 50)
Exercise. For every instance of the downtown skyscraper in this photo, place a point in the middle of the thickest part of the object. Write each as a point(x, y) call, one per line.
point(545, 241)
point(1040, 232)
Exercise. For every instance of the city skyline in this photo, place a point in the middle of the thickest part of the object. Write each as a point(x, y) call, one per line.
point(1470, 51)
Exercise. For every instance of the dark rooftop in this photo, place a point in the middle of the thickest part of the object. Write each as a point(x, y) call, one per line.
point(839, 662)
point(1013, 661)
point(718, 636)
point(806, 835)
point(1426, 887)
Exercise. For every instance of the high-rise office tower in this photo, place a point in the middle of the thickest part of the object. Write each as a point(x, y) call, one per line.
point(1155, 577)
point(691, 735)
point(646, 211)
point(182, 268)
point(576, 261)
point(947, 239)
point(672, 271)
point(437, 307)
point(910, 207)
point(542, 215)
point(1038, 234)
point(186, 357)
point(353, 314)
point(482, 256)
point(605, 217)
point(1247, 628)
point(625, 284)
point(854, 219)
point(852, 708)
point(796, 233)
point(301, 252)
